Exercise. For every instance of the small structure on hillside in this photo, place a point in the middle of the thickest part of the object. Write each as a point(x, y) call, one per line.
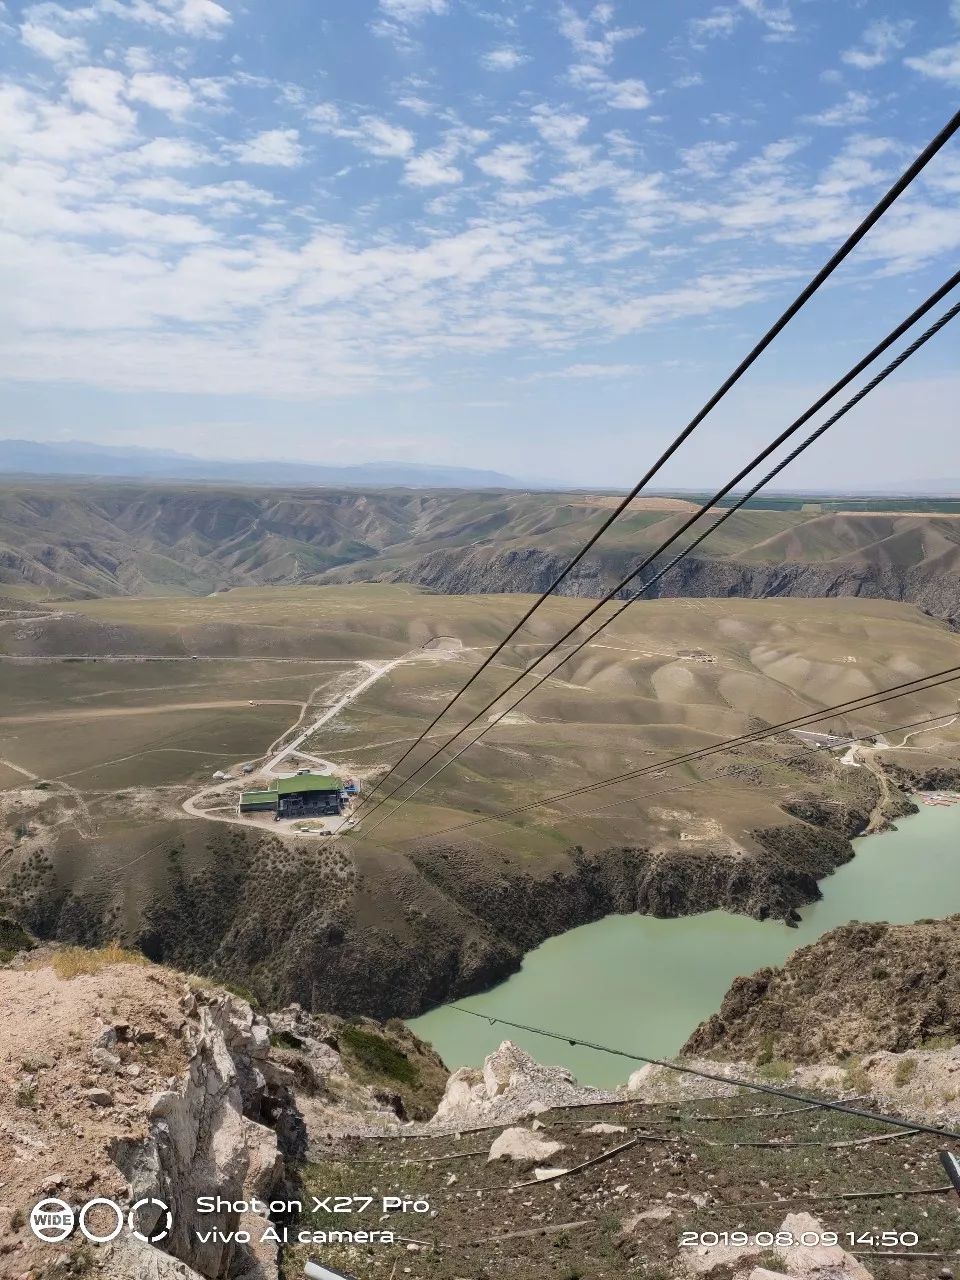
point(305, 795)
point(827, 741)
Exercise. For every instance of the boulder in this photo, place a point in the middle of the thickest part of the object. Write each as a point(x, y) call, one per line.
point(523, 1146)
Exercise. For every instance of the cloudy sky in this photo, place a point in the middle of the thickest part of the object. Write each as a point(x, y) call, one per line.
point(525, 235)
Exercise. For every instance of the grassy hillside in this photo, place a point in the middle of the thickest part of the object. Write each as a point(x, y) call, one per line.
point(68, 540)
point(116, 711)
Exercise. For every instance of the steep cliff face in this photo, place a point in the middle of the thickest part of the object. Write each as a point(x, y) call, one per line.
point(127, 1081)
point(481, 570)
point(101, 538)
point(858, 989)
point(401, 934)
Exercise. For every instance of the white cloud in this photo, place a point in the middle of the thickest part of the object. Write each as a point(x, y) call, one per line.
point(595, 41)
point(721, 22)
point(586, 370)
point(278, 147)
point(100, 89)
point(509, 162)
point(412, 10)
point(777, 18)
point(413, 102)
point(706, 159)
point(627, 95)
point(505, 58)
point(593, 38)
point(437, 167)
point(228, 197)
point(200, 18)
point(127, 263)
point(381, 138)
point(706, 295)
point(51, 44)
point(879, 41)
point(852, 109)
point(399, 16)
point(203, 17)
point(560, 128)
point(372, 134)
point(724, 20)
point(169, 153)
point(939, 64)
point(432, 169)
point(163, 93)
point(138, 58)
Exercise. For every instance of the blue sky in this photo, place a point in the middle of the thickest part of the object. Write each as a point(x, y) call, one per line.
point(528, 236)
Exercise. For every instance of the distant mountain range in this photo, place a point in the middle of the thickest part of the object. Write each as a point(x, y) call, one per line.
point(80, 458)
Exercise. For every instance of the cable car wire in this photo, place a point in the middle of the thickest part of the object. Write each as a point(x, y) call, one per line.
point(811, 439)
point(898, 1122)
point(937, 678)
point(905, 180)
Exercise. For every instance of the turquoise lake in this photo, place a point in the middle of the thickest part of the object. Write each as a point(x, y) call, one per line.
point(642, 984)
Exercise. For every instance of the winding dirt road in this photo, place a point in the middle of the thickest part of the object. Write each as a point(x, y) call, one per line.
point(279, 750)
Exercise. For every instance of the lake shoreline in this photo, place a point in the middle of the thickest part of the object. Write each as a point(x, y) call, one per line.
point(648, 967)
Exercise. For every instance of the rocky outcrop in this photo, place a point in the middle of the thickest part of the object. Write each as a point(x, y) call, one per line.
point(125, 1080)
point(858, 989)
point(530, 569)
point(207, 1133)
point(510, 1085)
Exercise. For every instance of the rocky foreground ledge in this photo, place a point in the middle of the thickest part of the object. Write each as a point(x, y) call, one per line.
point(128, 1081)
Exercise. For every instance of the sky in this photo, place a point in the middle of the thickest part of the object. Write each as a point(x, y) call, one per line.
point(532, 237)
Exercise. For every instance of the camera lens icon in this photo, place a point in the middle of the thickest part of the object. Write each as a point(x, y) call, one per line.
point(52, 1220)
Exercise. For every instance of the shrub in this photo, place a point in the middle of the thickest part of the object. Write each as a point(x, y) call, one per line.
point(771, 1260)
point(938, 1042)
point(13, 938)
point(72, 962)
point(906, 1070)
point(776, 1069)
point(767, 1048)
point(26, 1096)
point(378, 1055)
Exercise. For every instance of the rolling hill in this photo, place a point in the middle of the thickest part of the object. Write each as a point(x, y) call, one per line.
point(117, 710)
point(74, 539)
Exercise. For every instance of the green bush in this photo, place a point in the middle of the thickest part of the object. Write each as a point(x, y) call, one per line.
point(906, 1070)
point(378, 1055)
point(13, 938)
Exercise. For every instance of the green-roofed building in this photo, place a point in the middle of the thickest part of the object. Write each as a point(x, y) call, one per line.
point(305, 795)
point(258, 802)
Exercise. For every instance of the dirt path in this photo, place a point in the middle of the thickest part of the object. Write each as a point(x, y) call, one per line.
point(63, 787)
point(929, 729)
point(377, 670)
point(867, 756)
point(276, 754)
point(106, 713)
point(34, 777)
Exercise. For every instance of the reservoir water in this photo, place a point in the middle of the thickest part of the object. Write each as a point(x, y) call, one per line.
point(643, 984)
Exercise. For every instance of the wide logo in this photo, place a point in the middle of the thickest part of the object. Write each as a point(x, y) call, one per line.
point(100, 1220)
